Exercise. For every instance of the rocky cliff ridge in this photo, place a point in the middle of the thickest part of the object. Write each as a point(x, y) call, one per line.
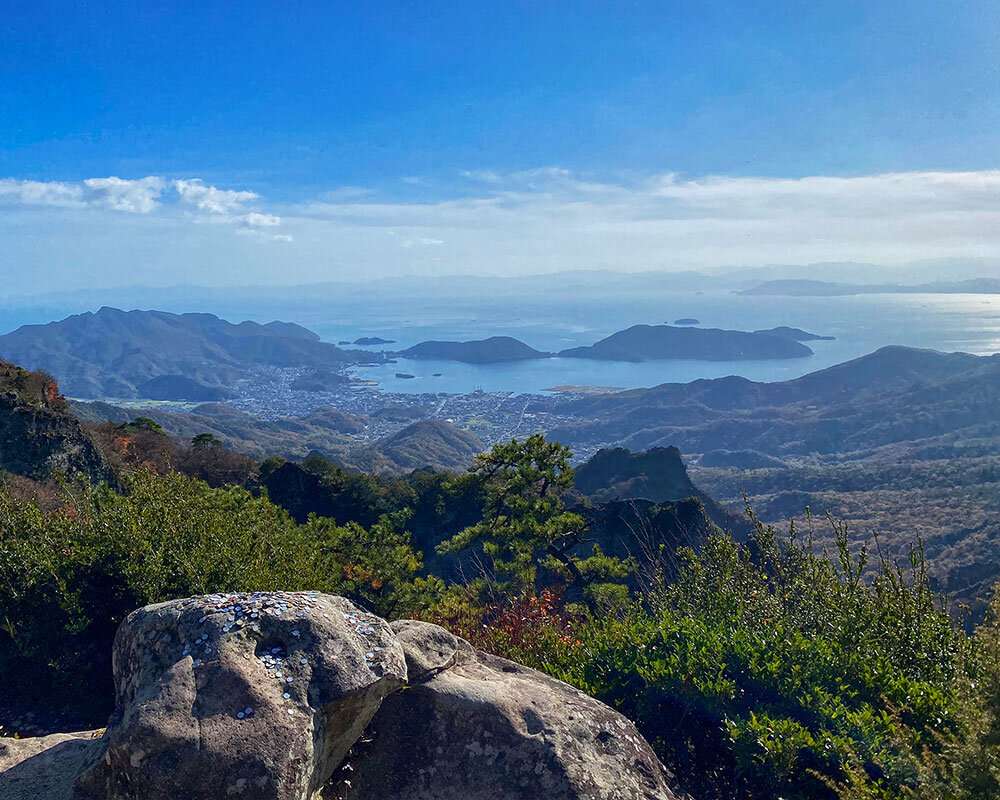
point(38, 433)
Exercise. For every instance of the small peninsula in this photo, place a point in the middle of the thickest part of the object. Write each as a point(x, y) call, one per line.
point(367, 341)
point(319, 380)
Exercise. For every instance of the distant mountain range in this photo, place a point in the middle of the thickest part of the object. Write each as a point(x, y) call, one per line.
point(902, 442)
point(893, 394)
point(808, 288)
point(154, 354)
point(328, 432)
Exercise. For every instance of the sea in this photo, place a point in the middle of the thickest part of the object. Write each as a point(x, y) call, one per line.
point(860, 324)
point(553, 321)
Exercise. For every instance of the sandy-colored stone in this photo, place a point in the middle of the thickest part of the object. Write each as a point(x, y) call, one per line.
point(213, 722)
point(484, 728)
point(429, 649)
point(45, 767)
point(201, 715)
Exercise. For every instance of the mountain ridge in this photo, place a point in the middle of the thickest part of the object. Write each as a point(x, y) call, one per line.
point(112, 353)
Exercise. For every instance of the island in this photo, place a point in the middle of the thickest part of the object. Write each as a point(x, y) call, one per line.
point(495, 350)
point(655, 342)
point(687, 321)
point(796, 334)
point(811, 288)
point(370, 340)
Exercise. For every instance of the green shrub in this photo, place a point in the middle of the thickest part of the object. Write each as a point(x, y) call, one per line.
point(772, 671)
point(69, 577)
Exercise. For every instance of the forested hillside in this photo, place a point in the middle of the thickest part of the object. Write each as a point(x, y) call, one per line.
point(903, 443)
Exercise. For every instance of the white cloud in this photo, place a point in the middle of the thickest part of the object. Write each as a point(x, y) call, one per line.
point(482, 175)
point(41, 193)
point(258, 224)
point(211, 199)
point(535, 221)
point(137, 196)
point(257, 220)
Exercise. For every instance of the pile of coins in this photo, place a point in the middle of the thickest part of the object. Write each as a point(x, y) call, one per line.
point(363, 628)
point(243, 612)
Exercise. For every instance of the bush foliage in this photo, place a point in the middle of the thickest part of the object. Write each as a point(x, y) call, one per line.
point(68, 577)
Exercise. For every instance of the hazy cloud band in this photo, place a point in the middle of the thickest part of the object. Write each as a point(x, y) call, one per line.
point(486, 222)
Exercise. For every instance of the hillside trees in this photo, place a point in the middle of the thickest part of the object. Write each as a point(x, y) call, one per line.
point(525, 523)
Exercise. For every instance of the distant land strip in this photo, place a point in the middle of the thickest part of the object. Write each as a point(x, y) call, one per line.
point(808, 288)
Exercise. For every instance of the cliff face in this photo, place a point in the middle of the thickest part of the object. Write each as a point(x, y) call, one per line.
point(38, 434)
point(658, 475)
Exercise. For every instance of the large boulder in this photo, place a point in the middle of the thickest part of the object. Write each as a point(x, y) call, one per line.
point(472, 726)
point(293, 696)
point(45, 767)
point(257, 696)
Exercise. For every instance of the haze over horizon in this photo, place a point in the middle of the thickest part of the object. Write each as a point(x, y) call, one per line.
point(162, 145)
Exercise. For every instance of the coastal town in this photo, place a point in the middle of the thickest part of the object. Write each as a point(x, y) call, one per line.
point(491, 416)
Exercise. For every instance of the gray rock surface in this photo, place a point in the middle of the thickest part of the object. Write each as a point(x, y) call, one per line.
point(429, 649)
point(293, 696)
point(254, 696)
point(45, 767)
point(477, 727)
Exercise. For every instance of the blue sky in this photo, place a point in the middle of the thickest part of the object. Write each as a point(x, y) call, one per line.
point(376, 113)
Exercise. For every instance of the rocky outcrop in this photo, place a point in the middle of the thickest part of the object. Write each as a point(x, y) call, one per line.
point(256, 695)
point(267, 697)
point(473, 726)
point(38, 434)
point(45, 767)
